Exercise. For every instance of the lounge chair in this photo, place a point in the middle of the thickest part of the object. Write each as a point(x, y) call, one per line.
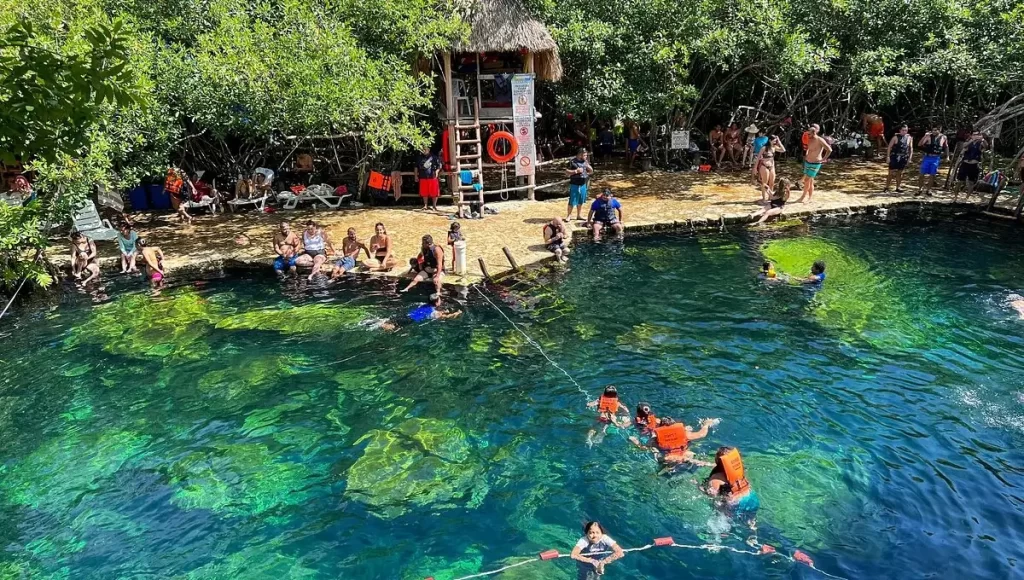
point(87, 220)
point(259, 202)
point(322, 193)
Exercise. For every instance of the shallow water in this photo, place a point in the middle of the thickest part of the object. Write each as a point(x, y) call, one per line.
point(250, 429)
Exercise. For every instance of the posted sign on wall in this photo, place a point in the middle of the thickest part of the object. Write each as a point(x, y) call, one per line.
point(522, 123)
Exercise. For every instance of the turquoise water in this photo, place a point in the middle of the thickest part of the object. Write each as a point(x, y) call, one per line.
point(246, 428)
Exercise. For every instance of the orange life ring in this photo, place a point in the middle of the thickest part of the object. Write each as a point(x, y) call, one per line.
point(493, 140)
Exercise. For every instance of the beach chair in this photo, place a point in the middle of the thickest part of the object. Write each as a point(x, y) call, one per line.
point(324, 194)
point(87, 221)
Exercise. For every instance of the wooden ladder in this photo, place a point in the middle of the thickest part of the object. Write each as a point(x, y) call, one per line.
point(473, 162)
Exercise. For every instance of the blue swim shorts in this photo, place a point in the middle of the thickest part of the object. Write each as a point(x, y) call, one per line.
point(282, 263)
point(930, 164)
point(634, 144)
point(577, 194)
point(346, 263)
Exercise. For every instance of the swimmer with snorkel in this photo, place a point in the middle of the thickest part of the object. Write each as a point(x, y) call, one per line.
point(609, 408)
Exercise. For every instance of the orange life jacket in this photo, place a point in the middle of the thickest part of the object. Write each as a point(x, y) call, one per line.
point(648, 423)
point(608, 404)
point(672, 438)
point(734, 472)
point(173, 183)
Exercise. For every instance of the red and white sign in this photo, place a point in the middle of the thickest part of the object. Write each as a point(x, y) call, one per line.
point(522, 122)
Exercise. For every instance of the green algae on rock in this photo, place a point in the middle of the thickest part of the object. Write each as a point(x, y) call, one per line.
point(314, 319)
point(251, 376)
point(261, 560)
point(140, 325)
point(443, 568)
point(423, 462)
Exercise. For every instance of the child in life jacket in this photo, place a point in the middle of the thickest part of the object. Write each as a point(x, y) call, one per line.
point(728, 484)
point(608, 409)
point(671, 442)
point(644, 423)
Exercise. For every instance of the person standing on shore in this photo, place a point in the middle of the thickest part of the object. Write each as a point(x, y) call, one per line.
point(970, 166)
point(818, 151)
point(899, 152)
point(427, 167)
point(875, 128)
point(934, 145)
point(579, 172)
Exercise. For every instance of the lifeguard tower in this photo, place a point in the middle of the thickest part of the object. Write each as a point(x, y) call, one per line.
point(477, 91)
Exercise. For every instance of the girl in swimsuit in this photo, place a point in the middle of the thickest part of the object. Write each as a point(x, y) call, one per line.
point(766, 166)
point(380, 247)
point(83, 258)
point(776, 203)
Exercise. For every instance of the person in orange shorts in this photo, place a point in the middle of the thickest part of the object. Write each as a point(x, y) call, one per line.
point(875, 128)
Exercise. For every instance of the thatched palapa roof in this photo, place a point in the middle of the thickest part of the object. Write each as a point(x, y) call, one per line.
point(505, 26)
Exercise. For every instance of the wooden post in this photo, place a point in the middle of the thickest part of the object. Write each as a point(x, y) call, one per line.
point(449, 93)
point(511, 260)
point(483, 268)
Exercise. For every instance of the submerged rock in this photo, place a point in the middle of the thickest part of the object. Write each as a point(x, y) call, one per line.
point(423, 462)
point(323, 319)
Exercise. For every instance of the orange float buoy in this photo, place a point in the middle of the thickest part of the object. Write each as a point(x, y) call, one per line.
point(666, 541)
point(492, 142)
point(548, 555)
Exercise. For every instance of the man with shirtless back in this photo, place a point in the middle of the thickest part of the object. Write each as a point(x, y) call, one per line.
point(818, 151)
point(154, 259)
point(717, 139)
point(286, 244)
point(350, 247)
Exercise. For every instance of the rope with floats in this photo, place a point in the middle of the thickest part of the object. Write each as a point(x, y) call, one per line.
point(532, 342)
point(667, 541)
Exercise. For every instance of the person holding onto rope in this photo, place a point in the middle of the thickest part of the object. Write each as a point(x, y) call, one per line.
point(818, 151)
point(608, 409)
point(555, 235)
point(285, 246)
point(935, 146)
point(727, 483)
point(429, 263)
point(605, 212)
point(899, 152)
point(592, 552)
point(578, 172)
point(671, 441)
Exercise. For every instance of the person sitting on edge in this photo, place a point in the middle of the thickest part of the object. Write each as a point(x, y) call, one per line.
point(901, 149)
point(315, 244)
point(591, 552)
point(454, 235)
point(126, 240)
point(578, 172)
point(380, 247)
point(429, 263)
point(608, 409)
point(818, 151)
point(934, 145)
point(817, 273)
point(733, 145)
point(350, 247)
point(728, 484)
point(605, 212)
point(83, 258)
point(154, 259)
point(432, 311)
point(644, 423)
point(555, 239)
point(776, 203)
point(671, 441)
point(285, 246)
point(717, 139)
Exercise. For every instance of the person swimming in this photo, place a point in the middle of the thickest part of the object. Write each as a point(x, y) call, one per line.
point(608, 409)
point(768, 270)
point(817, 273)
point(671, 443)
point(728, 484)
point(1016, 301)
point(644, 423)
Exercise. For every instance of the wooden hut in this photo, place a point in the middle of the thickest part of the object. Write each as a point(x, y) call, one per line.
point(504, 40)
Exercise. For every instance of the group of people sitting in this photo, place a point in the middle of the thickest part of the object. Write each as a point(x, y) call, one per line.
point(85, 266)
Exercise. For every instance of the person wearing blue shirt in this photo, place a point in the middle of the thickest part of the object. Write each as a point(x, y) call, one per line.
point(605, 212)
point(817, 273)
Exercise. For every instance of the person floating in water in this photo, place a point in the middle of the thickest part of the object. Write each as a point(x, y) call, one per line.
point(768, 271)
point(727, 483)
point(591, 552)
point(432, 311)
point(1016, 301)
point(817, 273)
point(644, 423)
point(671, 441)
point(608, 408)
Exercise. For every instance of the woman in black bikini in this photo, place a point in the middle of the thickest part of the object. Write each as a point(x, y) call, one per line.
point(766, 166)
point(380, 247)
point(776, 203)
point(83, 258)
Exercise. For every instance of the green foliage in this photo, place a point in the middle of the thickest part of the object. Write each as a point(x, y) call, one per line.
point(424, 462)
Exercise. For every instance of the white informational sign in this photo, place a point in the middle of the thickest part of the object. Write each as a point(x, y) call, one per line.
point(680, 139)
point(522, 123)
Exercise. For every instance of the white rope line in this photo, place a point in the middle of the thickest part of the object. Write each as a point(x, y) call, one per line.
point(533, 343)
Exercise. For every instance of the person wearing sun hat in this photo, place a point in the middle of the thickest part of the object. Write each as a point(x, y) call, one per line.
point(755, 140)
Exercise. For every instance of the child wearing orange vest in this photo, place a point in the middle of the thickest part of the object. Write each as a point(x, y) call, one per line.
point(728, 483)
point(608, 409)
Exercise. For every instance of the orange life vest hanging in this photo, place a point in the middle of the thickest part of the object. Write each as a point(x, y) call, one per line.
point(734, 474)
point(608, 404)
point(172, 183)
point(672, 438)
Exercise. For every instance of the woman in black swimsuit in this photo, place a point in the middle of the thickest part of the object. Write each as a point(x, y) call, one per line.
point(776, 203)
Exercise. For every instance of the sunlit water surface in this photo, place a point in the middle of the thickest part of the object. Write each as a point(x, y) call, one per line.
point(244, 428)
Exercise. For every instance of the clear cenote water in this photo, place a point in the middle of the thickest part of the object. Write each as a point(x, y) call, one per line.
point(244, 428)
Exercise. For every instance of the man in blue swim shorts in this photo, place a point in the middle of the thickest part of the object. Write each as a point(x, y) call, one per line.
point(578, 172)
point(285, 243)
point(934, 145)
point(818, 151)
point(350, 247)
point(632, 143)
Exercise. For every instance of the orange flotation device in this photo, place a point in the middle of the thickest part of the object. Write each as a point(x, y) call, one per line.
point(646, 423)
point(672, 439)
point(492, 143)
point(805, 139)
point(173, 182)
point(734, 473)
point(608, 404)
